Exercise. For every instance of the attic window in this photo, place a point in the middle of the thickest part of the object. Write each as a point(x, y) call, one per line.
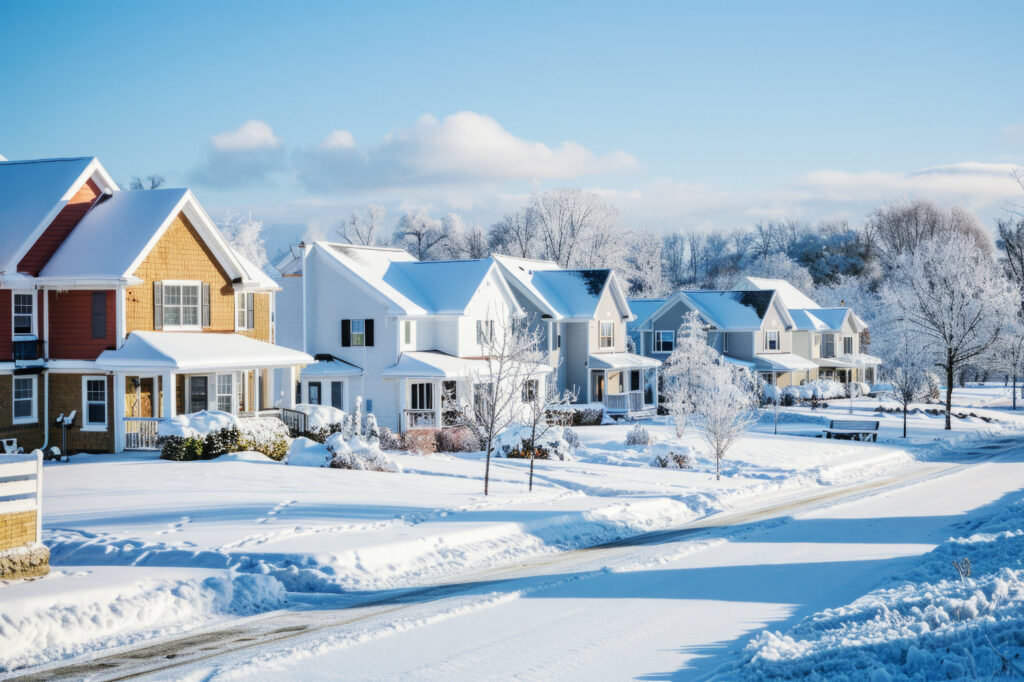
point(607, 334)
point(23, 314)
point(771, 340)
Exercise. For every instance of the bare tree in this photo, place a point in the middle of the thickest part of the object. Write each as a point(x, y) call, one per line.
point(955, 298)
point(725, 409)
point(540, 403)
point(498, 388)
point(901, 228)
point(576, 228)
point(154, 181)
point(906, 364)
point(423, 236)
point(474, 243)
point(363, 228)
point(516, 234)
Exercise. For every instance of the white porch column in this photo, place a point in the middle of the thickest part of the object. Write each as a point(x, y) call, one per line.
point(291, 378)
point(437, 403)
point(118, 420)
point(170, 389)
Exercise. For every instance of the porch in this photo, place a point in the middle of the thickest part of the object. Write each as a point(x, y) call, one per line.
point(625, 384)
point(158, 375)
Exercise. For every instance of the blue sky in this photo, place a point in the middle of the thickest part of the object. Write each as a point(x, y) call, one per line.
point(684, 115)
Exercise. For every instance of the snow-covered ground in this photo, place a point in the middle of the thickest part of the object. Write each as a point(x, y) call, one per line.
point(182, 545)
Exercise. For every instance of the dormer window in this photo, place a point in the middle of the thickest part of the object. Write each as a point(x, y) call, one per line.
point(24, 317)
point(607, 339)
point(771, 340)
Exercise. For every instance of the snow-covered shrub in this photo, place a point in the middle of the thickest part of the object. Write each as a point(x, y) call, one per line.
point(357, 454)
point(305, 452)
point(524, 451)
point(558, 448)
point(180, 449)
point(638, 435)
point(933, 385)
point(679, 460)
point(388, 439)
point(268, 435)
point(587, 416)
point(570, 438)
point(456, 439)
point(196, 424)
point(420, 441)
point(321, 416)
point(371, 431)
point(221, 442)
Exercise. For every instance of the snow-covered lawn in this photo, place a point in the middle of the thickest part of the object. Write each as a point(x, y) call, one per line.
point(179, 543)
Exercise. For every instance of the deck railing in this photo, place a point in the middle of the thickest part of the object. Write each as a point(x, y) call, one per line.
point(141, 433)
point(420, 419)
point(633, 401)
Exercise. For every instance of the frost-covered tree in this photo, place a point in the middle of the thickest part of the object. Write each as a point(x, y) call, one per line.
point(900, 228)
point(363, 227)
point(541, 398)
point(516, 234)
point(954, 298)
point(498, 387)
point(1007, 353)
point(245, 234)
point(725, 409)
point(641, 267)
point(422, 236)
point(781, 266)
point(576, 229)
point(686, 373)
point(906, 364)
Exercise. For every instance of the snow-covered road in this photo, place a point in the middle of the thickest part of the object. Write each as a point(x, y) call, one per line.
point(670, 605)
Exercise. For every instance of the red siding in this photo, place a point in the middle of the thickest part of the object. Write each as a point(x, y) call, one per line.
point(71, 326)
point(59, 229)
point(6, 322)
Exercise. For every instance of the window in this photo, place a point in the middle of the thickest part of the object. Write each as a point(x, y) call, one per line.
point(407, 332)
point(848, 345)
point(24, 400)
point(225, 392)
point(336, 394)
point(607, 334)
point(368, 405)
point(245, 314)
point(198, 395)
point(664, 341)
point(24, 320)
point(99, 314)
point(422, 396)
point(771, 340)
point(181, 305)
point(356, 333)
point(313, 393)
point(482, 398)
point(829, 349)
point(634, 380)
point(484, 332)
point(529, 390)
point(94, 403)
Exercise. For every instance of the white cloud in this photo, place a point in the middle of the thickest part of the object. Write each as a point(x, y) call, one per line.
point(248, 154)
point(465, 147)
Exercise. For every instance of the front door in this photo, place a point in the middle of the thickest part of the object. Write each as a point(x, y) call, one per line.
point(597, 386)
point(314, 393)
point(198, 394)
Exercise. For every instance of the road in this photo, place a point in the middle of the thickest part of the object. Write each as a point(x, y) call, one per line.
point(669, 605)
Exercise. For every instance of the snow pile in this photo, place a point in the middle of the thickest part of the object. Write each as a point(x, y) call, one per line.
point(933, 625)
point(321, 416)
point(196, 424)
point(304, 452)
point(355, 453)
point(109, 614)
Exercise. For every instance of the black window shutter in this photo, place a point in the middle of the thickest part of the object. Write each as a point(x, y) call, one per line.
point(250, 307)
point(346, 333)
point(158, 305)
point(369, 332)
point(206, 304)
point(99, 314)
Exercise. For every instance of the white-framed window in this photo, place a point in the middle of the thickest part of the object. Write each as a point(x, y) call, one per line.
point(24, 319)
point(245, 313)
point(829, 348)
point(225, 385)
point(358, 332)
point(407, 332)
point(848, 345)
point(94, 403)
point(421, 396)
point(771, 340)
point(24, 400)
point(607, 339)
point(181, 308)
point(530, 390)
point(664, 341)
point(485, 332)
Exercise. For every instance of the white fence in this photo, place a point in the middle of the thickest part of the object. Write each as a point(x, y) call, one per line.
point(140, 433)
point(21, 486)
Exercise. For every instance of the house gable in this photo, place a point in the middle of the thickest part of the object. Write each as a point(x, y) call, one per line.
point(58, 230)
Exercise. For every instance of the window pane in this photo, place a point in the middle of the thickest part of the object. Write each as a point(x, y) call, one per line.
point(224, 383)
point(190, 295)
point(358, 339)
point(97, 413)
point(96, 389)
point(358, 326)
point(172, 316)
point(22, 388)
point(172, 294)
point(190, 315)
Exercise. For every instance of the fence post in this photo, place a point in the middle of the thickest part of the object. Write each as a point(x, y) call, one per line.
point(39, 495)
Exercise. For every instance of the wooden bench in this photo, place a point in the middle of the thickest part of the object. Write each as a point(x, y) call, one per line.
point(852, 429)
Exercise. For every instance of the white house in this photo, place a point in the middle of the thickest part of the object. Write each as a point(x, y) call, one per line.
point(404, 335)
point(582, 316)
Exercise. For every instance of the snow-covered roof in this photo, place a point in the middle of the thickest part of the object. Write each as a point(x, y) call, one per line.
point(783, 362)
point(330, 368)
point(736, 361)
point(731, 310)
point(197, 351)
point(557, 292)
point(107, 241)
point(257, 278)
point(825, 319)
point(790, 295)
point(860, 359)
point(621, 361)
point(414, 287)
point(436, 364)
point(643, 309)
point(31, 194)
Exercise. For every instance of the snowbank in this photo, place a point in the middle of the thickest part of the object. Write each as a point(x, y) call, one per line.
point(196, 424)
point(340, 453)
point(304, 452)
point(95, 610)
point(321, 416)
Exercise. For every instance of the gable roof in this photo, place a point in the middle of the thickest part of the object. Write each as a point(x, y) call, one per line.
point(32, 192)
point(826, 319)
point(732, 309)
point(791, 296)
point(562, 293)
point(643, 309)
point(413, 287)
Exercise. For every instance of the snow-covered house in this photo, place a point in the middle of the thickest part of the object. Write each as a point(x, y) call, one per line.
point(829, 337)
point(750, 328)
point(403, 335)
point(126, 307)
point(582, 316)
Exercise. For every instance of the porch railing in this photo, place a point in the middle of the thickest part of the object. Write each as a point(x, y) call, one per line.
point(293, 419)
point(420, 419)
point(140, 433)
point(633, 401)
